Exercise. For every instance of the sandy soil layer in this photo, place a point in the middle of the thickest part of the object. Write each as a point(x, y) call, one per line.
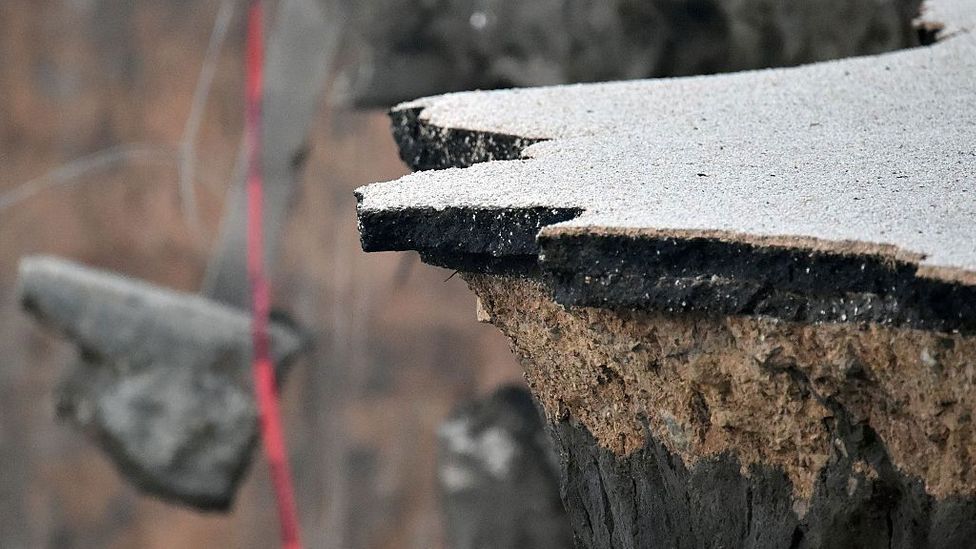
point(768, 392)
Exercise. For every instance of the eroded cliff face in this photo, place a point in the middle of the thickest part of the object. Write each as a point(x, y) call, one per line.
point(796, 398)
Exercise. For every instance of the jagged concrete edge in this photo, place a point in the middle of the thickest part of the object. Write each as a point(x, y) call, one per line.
point(456, 238)
point(424, 146)
point(807, 283)
point(713, 275)
point(463, 238)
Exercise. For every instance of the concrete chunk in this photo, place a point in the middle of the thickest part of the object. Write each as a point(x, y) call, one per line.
point(163, 378)
point(771, 181)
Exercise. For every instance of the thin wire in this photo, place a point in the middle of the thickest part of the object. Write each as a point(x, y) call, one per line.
point(191, 130)
point(185, 156)
point(72, 171)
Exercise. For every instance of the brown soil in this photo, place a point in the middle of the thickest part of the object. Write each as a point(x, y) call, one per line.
point(767, 391)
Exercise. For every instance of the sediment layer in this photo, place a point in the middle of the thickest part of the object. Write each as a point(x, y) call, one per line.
point(766, 392)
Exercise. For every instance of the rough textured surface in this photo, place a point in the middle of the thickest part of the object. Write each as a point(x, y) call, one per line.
point(651, 499)
point(766, 390)
point(822, 436)
point(427, 147)
point(696, 233)
point(864, 161)
point(498, 476)
point(450, 45)
point(717, 275)
point(162, 381)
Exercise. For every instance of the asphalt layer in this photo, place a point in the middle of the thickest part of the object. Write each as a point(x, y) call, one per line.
point(839, 191)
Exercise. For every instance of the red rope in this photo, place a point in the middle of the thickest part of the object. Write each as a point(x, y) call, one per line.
point(266, 389)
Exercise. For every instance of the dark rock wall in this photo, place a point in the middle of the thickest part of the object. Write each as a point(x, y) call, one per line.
point(411, 48)
point(650, 499)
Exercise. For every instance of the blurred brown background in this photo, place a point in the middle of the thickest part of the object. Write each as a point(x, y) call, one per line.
point(396, 346)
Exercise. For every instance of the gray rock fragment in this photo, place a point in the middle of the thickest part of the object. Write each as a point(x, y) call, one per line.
point(163, 380)
point(498, 476)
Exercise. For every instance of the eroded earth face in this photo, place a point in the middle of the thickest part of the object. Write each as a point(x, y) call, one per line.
point(766, 391)
point(851, 414)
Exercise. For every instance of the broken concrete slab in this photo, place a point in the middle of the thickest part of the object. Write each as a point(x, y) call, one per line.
point(790, 189)
point(162, 381)
point(746, 302)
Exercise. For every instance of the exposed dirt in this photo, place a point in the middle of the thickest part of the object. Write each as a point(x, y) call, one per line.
point(767, 391)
